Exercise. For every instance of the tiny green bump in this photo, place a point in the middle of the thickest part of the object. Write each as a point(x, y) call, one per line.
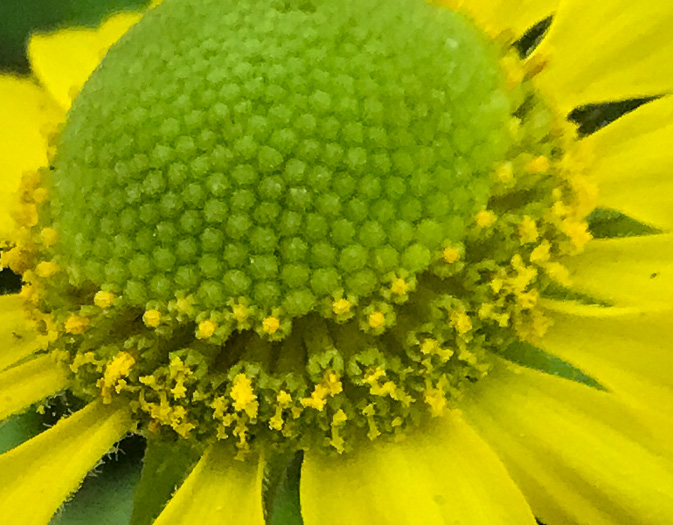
point(211, 293)
point(325, 281)
point(264, 266)
point(210, 266)
point(186, 249)
point(191, 222)
point(215, 211)
point(386, 258)
point(212, 240)
point(164, 259)
point(294, 275)
point(353, 257)
point(299, 302)
point(236, 282)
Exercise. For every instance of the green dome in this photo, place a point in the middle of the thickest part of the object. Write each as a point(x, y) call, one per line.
point(287, 153)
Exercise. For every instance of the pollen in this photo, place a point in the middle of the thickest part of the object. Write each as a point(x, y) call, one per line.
point(528, 232)
point(376, 320)
point(541, 253)
point(505, 172)
point(117, 369)
point(49, 236)
point(342, 306)
point(451, 254)
point(270, 325)
point(76, 324)
point(240, 312)
point(244, 396)
point(485, 219)
point(399, 286)
point(47, 269)
point(538, 165)
point(103, 299)
point(206, 329)
point(461, 322)
point(152, 318)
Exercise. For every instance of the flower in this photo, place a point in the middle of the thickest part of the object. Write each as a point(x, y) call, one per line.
point(362, 230)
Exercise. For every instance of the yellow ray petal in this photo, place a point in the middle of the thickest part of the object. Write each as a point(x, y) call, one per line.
point(578, 454)
point(496, 16)
point(445, 474)
point(633, 271)
point(633, 163)
point(25, 384)
point(36, 477)
point(26, 113)
point(64, 60)
point(220, 491)
point(607, 50)
point(625, 350)
point(18, 339)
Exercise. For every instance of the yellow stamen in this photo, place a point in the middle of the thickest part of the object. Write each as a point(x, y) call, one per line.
point(399, 287)
point(341, 306)
point(103, 299)
point(244, 396)
point(49, 236)
point(461, 322)
point(206, 329)
point(505, 172)
point(240, 312)
point(152, 318)
point(485, 218)
point(451, 254)
point(46, 269)
point(76, 324)
point(376, 320)
point(118, 368)
point(270, 325)
point(538, 165)
point(528, 230)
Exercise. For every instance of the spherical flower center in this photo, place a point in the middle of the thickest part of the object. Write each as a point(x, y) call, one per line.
point(298, 223)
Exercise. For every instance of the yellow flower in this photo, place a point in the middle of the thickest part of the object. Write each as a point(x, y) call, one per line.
point(361, 230)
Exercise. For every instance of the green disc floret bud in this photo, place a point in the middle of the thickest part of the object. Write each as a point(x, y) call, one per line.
point(283, 152)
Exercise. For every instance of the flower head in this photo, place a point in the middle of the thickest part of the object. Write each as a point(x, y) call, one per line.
point(358, 230)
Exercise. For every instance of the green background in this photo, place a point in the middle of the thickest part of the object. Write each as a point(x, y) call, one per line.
point(18, 18)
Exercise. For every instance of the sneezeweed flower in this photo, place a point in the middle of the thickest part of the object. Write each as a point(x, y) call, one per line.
point(357, 229)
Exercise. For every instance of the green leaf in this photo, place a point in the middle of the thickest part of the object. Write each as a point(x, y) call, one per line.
point(19, 428)
point(281, 489)
point(165, 467)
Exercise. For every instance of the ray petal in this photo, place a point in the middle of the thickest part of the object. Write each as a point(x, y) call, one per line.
point(626, 350)
point(27, 383)
point(26, 110)
point(578, 454)
point(219, 491)
point(606, 51)
point(18, 339)
point(446, 474)
point(36, 477)
point(64, 60)
point(630, 271)
point(633, 163)
point(497, 16)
